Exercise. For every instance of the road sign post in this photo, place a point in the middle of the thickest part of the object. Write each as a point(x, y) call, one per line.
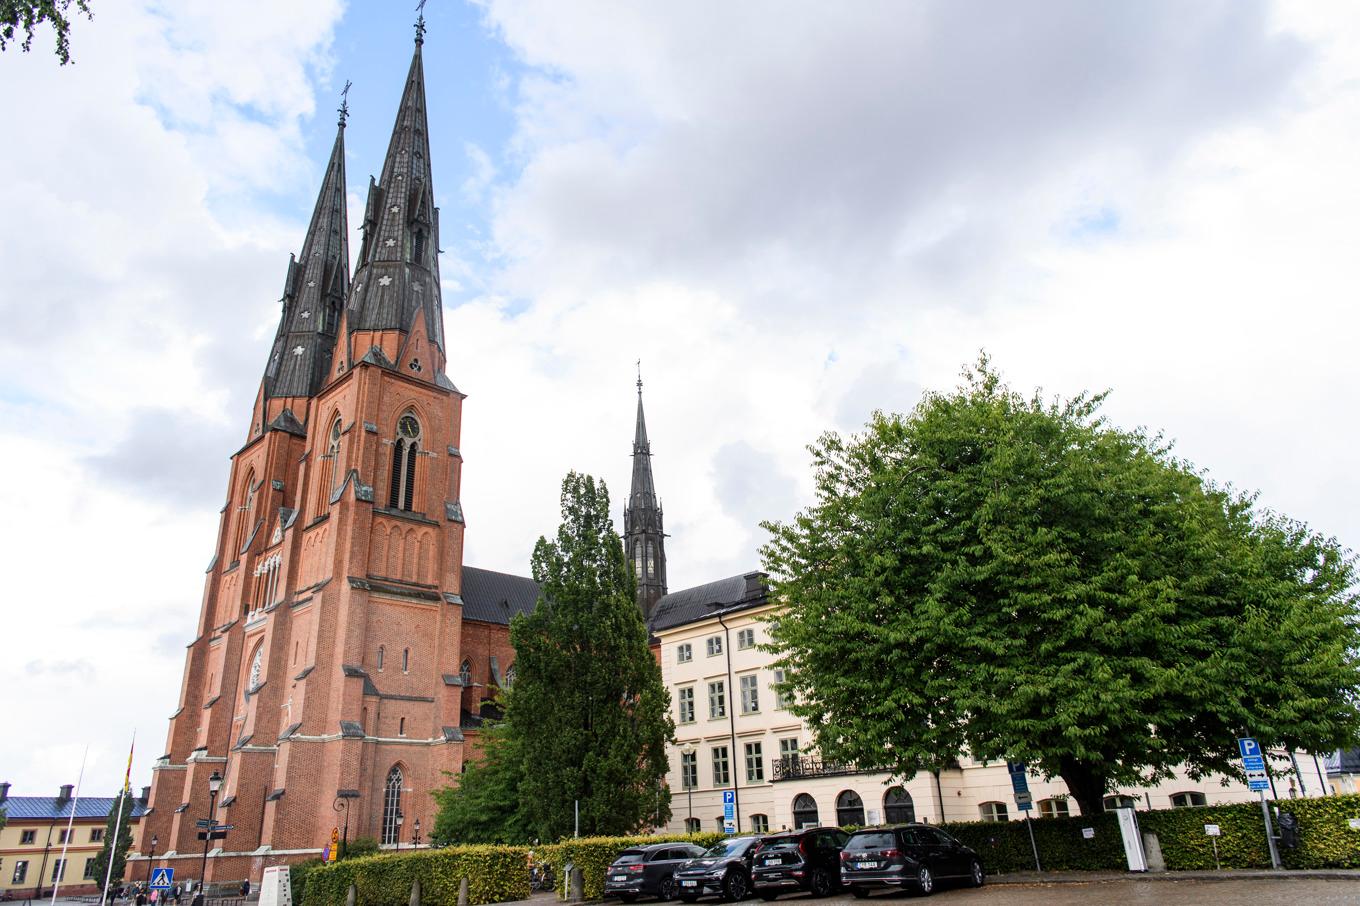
point(730, 811)
point(1024, 801)
point(162, 879)
point(1258, 780)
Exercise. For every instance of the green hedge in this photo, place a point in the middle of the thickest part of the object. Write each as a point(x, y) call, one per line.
point(500, 873)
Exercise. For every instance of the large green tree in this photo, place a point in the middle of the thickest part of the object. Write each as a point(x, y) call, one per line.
point(1015, 578)
point(26, 15)
point(588, 709)
point(115, 847)
point(483, 806)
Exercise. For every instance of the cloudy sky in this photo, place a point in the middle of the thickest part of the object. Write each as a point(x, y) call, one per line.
point(792, 213)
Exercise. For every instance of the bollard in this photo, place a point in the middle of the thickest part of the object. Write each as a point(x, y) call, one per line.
point(415, 892)
point(352, 898)
point(463, 892)
point(578, 885)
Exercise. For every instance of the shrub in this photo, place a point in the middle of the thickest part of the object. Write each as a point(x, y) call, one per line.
point(495, 874)
point(297, 878)
point(1005, 847)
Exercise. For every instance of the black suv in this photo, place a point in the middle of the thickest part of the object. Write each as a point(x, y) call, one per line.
point(809, 859)
point(912, 856)
point(725, 870)
point(647, 870)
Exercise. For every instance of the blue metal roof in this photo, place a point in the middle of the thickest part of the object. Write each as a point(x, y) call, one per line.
point(50, 808)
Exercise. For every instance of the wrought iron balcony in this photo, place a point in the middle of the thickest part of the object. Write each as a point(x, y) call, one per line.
point(793, 767)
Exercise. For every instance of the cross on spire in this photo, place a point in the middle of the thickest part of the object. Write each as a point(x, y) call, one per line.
point(344, 103)
point(420, 22)
point(639, 382)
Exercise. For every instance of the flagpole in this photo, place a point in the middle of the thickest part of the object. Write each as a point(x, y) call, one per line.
point(118, 822)
point(66, 841)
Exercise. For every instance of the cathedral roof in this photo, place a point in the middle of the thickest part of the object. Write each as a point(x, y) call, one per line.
point(690, 605)
point(492, 597)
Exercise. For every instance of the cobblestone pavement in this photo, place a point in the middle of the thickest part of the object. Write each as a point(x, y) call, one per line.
point(1262, 892)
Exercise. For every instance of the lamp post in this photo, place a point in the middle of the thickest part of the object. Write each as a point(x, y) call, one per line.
point(687, 752)
point(214, 784)
point(344, 840)
point(151, 858)
point(415, 835)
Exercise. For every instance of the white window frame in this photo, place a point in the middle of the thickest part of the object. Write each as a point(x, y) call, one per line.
point(714, 645)
point(754, 754)
point(722, 759)
point(684, 653)
point(995, 812)
point(681, 701)
point(749, 686)
point(717, 700)
point(1057, 807)
point(781, 702)
point(746, 638)
point(689, 770)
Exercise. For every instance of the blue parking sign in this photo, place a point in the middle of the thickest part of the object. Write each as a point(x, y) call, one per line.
point(1249, 747)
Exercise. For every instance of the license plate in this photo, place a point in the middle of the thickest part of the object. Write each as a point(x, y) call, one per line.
point(866, 864)
point(771, 860)
point(619, 878)
point(774, 875)
point(689, 883)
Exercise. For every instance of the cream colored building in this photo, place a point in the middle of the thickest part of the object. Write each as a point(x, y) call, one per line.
point(734, 733)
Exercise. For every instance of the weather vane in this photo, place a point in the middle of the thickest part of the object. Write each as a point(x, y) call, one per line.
point(344, 102)
point(639, 367)
point(420, 22)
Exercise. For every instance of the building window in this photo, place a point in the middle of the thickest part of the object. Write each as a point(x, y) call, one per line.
point(692, 826)
point(760, 824)
point(266, 588)
point(686, 703)
point(243, 516)
point(746, 638)
point(722, 774)
point(717, 700)
point(804, 811)
point(788, 750)
point(256, 666)
point(58, 871)
point(684, 653)
point(96, 834)
point(755, 763)
point(898, 807)
point(401, 726)
point(1053, 808)
point(465, 673)
point(405, 660)
point(651, 560)
point(750, 696)
point(689, 770)
point(1188, 800)
point(391, 830)
point(721, 822)
point(849, 809)
point(65, 836)
point(401, 495)
point(637, 559)
point(20, 872)
point(1119, 801)
point(382, 656)
point(89, 868)
point(27, 837)
point(714, 645)
point(509, 676)
point(780, 700)
point(329, 461)
point(993, 811)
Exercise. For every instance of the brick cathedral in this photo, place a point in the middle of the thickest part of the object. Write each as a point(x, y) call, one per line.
point(342, 647)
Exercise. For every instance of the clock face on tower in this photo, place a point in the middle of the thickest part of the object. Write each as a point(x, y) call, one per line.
point(407, 427)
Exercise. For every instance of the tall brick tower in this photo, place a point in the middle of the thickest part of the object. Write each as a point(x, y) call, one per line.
point(325, 673)
point(643, 536)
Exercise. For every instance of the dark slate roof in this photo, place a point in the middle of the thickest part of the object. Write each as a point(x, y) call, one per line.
point(1347, 761)
point(47, 808)
point(689, 605)
point(491, 597)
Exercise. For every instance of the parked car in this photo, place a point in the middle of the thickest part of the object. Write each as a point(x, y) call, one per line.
point(647, 870)
point(912, 856)
point(808, 859)
point(725, 870)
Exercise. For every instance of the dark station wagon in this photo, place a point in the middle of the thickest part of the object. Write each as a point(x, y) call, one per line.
point(804, 860)
point(725, 870)
point(647, 870)
point(912, 857)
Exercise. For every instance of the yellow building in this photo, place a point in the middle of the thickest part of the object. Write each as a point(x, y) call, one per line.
point(35, 832)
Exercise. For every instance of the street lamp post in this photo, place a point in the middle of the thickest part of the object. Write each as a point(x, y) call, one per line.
point(415, 835)
point(214, 784)
point(151, 858)
point(687, 752)
point(344, 840)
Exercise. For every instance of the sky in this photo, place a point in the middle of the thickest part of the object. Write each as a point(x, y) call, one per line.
point(792, 213)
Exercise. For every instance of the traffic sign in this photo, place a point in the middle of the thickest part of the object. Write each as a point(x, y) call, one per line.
point(203, 822)
point(1248, 747)
point(1024, 801)
point(1254, 763)
point(212, 835)
point(162, 878)
point(729, 797)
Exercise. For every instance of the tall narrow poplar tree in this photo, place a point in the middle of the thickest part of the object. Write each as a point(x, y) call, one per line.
point(115, 848)
point(588, 709)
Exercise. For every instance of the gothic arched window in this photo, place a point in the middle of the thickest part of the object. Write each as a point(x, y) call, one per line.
point(245, 512)
point(465, 673)
point(404, 453)
point(651, 560)
point(330, 463)
point(509, 676)
point(391, 815)
point(637, 559)
point(256, 666)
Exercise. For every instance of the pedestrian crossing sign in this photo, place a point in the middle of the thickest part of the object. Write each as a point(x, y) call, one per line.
point(162, 878)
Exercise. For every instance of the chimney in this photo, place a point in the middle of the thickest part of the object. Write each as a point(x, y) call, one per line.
point(4, 791)
point(146, 795)
point(65, 795)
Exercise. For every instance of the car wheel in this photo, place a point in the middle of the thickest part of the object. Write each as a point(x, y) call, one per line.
point(735, 886)
point(821, 883)
point(666, 889)
point(861, 893)
point(977, 874)
point(925, 882)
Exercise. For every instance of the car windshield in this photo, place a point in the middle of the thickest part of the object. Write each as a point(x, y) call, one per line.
point(734, 847)
point(631, 855)
point(870, 841)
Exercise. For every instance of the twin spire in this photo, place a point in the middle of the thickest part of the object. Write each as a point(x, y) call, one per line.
point(396, 279)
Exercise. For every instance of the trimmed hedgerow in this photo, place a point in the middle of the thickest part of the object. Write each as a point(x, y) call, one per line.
point(495, 874)
point(1004, 846)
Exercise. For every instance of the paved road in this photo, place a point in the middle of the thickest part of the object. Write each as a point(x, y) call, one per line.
point(1265, 892)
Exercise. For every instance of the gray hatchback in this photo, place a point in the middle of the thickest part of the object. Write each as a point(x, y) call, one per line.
point(910, 856)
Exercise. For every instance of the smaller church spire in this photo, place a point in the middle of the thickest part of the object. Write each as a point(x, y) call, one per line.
point(644, 535)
